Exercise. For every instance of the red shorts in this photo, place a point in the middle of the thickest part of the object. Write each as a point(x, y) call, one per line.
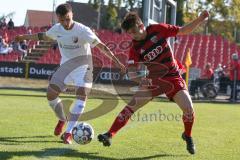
point(168, 86)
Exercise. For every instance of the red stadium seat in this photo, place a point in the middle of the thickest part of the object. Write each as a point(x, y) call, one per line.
point(202, 47)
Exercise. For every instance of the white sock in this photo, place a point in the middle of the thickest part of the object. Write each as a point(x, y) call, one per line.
point(75, 114)
point(57, 107)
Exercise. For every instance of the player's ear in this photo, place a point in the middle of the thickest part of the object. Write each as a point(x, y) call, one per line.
point(141, 26)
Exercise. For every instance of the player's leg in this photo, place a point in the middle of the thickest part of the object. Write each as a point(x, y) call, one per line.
point(183, 100)
point(75, 112)
point(53, 92)
point(82, 79)
point(138, 101)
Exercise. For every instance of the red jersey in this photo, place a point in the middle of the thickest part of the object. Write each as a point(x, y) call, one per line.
point(154, 51)
point(235, 67)
point(208, 74)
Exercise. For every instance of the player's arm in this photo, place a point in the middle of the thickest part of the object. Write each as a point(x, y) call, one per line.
point(138, 74)
point(134, 74)
point(194, 24)
point(35, 37)
point(136, 70)
point(103, 48)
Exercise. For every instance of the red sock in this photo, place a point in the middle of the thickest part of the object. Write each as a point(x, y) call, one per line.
point(121, 120)
point(188, 121)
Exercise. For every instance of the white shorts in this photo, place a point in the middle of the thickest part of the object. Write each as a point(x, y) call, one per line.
point(80, 77)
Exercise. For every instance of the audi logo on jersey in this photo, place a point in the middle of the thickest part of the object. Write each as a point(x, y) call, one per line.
point(153, 54)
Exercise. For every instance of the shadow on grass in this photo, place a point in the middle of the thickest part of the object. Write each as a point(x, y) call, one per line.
point(71, 153)
point(25, 139)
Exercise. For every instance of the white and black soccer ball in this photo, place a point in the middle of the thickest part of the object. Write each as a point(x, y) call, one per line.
point(83, 133)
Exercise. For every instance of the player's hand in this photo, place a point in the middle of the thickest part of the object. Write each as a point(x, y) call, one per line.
point(19, 38)
point(205, 14)
point(145, 82)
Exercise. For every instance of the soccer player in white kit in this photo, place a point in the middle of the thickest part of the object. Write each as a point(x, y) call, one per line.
point(74, 41)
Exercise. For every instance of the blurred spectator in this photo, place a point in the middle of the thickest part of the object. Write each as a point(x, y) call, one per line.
point(221, 78)
point(208, 72)
point(10, 24)
point(234, 73)
point(3, 23)
point(207, 76)
point(15, 46)
point(5, 37)
point(24, 45)
point(4, 47)
point(21, 48)
point(235, 67)
point(219, 68)
point(220, 71)
point(29, 31)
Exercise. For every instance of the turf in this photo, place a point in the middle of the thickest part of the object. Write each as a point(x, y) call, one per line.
point(27, 124)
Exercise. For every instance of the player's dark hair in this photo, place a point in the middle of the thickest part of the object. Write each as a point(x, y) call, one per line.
point(63, 9)
point(130, 20)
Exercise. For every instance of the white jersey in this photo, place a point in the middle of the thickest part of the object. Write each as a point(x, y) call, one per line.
point(75, 42)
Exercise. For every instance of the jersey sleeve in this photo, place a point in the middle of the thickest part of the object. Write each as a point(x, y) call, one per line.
point(52, 32)
point(133, 58)
point(167, 30)
point(90, 37)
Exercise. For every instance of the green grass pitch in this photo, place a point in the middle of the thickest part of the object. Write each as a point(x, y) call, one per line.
point(27, 123)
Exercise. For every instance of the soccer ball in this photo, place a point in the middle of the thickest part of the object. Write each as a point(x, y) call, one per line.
point(83, 133)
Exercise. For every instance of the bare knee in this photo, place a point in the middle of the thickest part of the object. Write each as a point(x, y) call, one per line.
point(82, 93)
point(188, 115)
point(52, 93)
point(183, 100)
point(188, 109)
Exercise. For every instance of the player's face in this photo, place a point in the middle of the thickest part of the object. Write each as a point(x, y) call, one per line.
point(137, 32)
point(66, 21)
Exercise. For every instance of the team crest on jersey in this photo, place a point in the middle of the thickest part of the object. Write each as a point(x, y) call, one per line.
point(154, 39)
point(75, 39)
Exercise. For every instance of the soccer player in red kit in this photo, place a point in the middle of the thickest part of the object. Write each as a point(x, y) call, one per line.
point(150, 47)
